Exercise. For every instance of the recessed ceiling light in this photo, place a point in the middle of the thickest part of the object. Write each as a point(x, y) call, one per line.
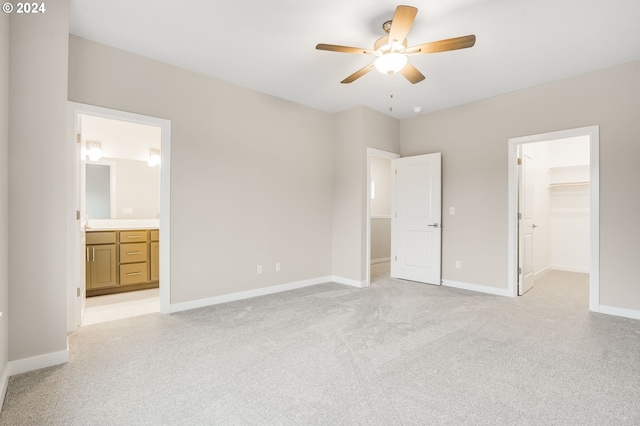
point(417, 109)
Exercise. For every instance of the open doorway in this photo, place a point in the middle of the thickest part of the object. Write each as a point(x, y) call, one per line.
point(379, 206)
point(120, 204)
point(553, 212)
point(120, 180)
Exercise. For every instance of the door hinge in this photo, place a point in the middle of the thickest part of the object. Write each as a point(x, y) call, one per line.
point(519, 216)
point(519, 161)
point(78, 138)
point(77, 291)
point(77, 214)
point(519, 271)
point(396, 258)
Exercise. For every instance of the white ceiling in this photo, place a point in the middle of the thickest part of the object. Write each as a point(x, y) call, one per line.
point(269, 46)
point(121, 139)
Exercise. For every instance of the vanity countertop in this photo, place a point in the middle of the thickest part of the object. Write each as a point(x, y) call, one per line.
point(121, 228)
point(121, 224)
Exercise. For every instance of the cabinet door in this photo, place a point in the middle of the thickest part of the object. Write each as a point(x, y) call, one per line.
point(103, 267)
point(155, 261)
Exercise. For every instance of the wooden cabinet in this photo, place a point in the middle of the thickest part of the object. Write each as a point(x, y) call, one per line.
point(154, 250)
point(101, 260)
point(121, 260)
point(134, 257)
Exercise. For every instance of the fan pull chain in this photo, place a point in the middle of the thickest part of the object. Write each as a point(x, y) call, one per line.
point(391, 94)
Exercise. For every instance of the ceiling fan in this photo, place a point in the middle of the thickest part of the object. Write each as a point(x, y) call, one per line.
point(391, 51)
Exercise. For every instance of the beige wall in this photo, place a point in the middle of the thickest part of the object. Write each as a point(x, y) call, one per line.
point(380, 238)
point(4, 192)
point(347, 209)
point(355, 130)
point(473, 141)
point(137, 188)
point(38, 62)
point(251, 174)
point(380, 173)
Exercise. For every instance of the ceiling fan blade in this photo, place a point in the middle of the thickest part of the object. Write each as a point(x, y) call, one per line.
point(356, 75)
point(344, 49)
point(443, 45)
point(402, 22)
point(412, 74)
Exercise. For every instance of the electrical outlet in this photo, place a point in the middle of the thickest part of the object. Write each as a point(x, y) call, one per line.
point(259, 269)
point(458, 264)
point(278, 267)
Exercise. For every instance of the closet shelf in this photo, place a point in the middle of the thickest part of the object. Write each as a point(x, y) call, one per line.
point(566, 184)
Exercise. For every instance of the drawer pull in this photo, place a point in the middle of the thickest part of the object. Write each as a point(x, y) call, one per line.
point(134, 252)
point(134, 236)
point(134, 273)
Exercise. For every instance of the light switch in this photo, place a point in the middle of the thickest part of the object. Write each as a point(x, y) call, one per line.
point(452, 210)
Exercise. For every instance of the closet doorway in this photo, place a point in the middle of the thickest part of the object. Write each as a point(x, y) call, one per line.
point(553, 210)
point(379, 206)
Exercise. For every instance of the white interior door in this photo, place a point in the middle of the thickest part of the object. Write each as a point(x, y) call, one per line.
point(416, 218)
point(525, 224)
point(80, 170)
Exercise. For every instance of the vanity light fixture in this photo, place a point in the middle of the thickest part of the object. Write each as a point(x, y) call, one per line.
point(94, 150)
point(154, 157)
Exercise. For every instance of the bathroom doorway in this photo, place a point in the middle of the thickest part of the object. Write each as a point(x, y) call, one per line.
point(118, 267)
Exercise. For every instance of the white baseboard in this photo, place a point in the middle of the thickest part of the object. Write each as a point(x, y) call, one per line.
point(381, 260)
point(542, 271)
point(477, 287)
point(569, 269)
point(37, 362)
point(4, 382)
point(349, 281)
point(619, 312)
point(201, 303)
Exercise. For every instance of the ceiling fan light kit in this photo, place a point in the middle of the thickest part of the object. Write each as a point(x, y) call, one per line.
point(391, 51)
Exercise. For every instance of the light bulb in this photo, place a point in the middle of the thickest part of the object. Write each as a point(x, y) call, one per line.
point(390, 63)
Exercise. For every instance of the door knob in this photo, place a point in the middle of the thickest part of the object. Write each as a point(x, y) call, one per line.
point(534, 226)
point(434, 225)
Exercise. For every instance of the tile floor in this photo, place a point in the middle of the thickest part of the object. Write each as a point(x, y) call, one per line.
point(122, 305)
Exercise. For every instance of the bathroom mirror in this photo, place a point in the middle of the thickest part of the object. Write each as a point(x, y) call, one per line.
point(118, 188)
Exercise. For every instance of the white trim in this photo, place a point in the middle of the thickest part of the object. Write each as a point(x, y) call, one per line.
point(619, 312)
point(380, 260)
point(232, 297)
point(74, 109)
point(371, 152)
point(349, 282)
point(542, 271)
point(37, 362)
point(570, 269)
point(594, 226)
point(381, 216)
point(4, 382)
point(477, 288)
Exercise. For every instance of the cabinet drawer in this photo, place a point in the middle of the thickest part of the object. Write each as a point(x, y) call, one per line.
point(134, 252)
point(133, 236)
point(108, 237)
point(134, 273)
point(155, 235)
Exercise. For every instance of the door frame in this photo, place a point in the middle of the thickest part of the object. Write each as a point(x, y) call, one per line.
point(593, 132)
point(373, 152)
point(75, 109)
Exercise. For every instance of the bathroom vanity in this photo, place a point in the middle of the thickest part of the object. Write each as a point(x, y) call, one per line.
point(119, 260)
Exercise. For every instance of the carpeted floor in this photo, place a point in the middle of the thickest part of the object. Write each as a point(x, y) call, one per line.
point(395, 353)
